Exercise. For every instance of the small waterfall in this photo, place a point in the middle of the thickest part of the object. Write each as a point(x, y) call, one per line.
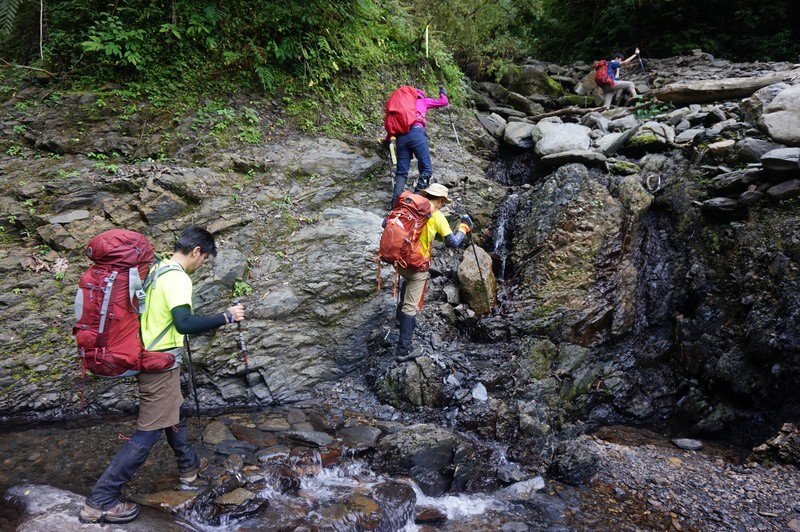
point(502, 235)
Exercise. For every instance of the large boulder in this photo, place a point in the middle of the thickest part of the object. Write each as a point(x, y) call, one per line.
point(518, 134)
point(781, 161)
point(781, 118)
point(704, 91)
point(587, 157)
point(752, 107)
point(783, 448)
point(438, 459)
point(750, 150)
point(48, 508)
point(477, 280)
point(554, 137)
point(530, 79)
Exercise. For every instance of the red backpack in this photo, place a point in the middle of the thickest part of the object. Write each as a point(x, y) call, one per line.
point(109, 300)
point(601, 76)
point(400, 239)
point(401, 111)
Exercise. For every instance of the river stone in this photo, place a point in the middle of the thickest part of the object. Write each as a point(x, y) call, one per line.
point(530, 79)
point(310, 437)
point(687, 444)
point(233, 463)
point(735, 181)
point(477, 280)
point(783, 448)
point(216, 432)
point(750, 150)
point(359, 437)
point(509, 473)
point(552, 137)
point(751, 108)
point(45, 508)
point(521, 103)
point(518, 134)
point(652, 136)
point(507, 112)
point(781, 118)
point(633, 196)
point(587, 157)
point(721, 148)
point(274, 425)
point(623, 123)
point(236, 497)
point(479, 392)
point(494, 123)
point(613, 142)
point(785, 190)
point(781, 160)
point(274, 453)
point(172, 501)
point(597, 121)
point(725, 206)
point(687, 136)
point(748, 198)
point(434, 457)
point(69, 217)
point(254, 436)
point(575, 462)
point(521, 491)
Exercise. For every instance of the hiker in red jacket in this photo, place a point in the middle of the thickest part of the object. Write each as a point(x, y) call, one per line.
point(416, 142)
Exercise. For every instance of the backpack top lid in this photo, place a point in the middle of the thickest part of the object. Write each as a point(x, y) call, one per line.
point(401, 110)
point(120, 247)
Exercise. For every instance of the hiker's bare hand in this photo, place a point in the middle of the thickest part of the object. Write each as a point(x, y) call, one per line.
point(237, 311)
point(637, 51)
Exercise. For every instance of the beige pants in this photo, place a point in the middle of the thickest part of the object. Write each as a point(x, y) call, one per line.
point(414, 291)
point(608, 95)
point(160, 399)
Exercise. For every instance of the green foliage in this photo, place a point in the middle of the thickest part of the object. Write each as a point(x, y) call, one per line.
point(8, 14)
point(241, 288)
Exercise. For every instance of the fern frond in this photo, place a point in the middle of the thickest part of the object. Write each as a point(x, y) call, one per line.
point(8, 14)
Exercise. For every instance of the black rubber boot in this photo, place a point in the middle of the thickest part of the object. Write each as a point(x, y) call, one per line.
point(401, 296)
point(422, 183)
point(404, 343)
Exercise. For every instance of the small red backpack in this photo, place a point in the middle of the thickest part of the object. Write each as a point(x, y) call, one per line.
point(109, 300)
point(399, 244)
point(601, 76)
point(401, 111)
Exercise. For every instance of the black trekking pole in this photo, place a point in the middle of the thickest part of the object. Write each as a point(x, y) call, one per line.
point(466, 182)
point(245, 357)
point(192, 381)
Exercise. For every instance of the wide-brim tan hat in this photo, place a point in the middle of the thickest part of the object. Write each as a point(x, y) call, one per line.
point(437, 190)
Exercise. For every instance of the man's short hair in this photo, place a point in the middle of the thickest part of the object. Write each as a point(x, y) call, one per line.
point(194, 236)
point(619, 55)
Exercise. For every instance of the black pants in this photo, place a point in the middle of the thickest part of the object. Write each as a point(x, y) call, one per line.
point(129, 459)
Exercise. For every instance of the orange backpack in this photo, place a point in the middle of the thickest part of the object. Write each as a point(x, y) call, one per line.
point(400, 245)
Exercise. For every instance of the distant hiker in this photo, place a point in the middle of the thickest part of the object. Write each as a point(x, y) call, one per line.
point(605, 76)
point(167, 318)
point(405, 120)
point(416, 274)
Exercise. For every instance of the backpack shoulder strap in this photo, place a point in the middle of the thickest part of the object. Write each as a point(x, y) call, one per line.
point(160, 336)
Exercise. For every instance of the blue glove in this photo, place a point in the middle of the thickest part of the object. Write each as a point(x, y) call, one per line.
point(442, 91)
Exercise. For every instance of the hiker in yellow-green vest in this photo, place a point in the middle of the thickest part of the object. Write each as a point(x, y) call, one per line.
point(167, 319)
point(413, 292)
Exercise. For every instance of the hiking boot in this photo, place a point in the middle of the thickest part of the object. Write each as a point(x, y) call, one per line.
point(187, 477)
point(122, 512)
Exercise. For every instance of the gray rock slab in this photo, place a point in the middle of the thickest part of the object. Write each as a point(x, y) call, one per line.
point(521, 491)
point(688, 135)
point(785, 190)
point(781, 160)
point(518, 134)
point(553, 138)
point(688, 444)
point(310, 437)
point(69, 217)
point(216, 432)
point(587, 157)
point(359, 437)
